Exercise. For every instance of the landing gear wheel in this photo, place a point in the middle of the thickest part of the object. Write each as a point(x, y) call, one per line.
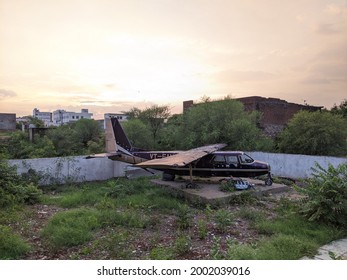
point(192, 185)
point(168, 176)
point(268, 181)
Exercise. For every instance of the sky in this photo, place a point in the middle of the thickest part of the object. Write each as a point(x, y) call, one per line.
point(111, 55)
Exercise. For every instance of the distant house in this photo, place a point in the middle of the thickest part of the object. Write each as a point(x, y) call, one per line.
point(119, 116)
point(7, 122)
point(46, 117)
point(276, 112)
point(62, 117)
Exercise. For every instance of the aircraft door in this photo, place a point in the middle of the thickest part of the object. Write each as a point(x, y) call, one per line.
point(218, 161)
point(246, 162)
point(232, 161)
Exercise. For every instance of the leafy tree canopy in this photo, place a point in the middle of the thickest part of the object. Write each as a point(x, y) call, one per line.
point(223, 121)
point(315, 133)
point(139, 134)
point(153, 117)
point(341, 109)
point(82, 137)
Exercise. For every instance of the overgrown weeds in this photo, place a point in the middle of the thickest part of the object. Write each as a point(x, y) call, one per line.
point(326, 195)
point(132, 219)
point(12, 246)
point(14, 189)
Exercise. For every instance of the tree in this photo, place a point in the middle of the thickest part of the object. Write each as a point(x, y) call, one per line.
point(153, 117)
point(35, 121)
point(223, 121)
point(341, 109)
point(170, 137)
point(82, 137)
point(19, 146)
point(133, 113)
point(64, 141)
point(315, 133)
point(138, 134)
point(86, 130)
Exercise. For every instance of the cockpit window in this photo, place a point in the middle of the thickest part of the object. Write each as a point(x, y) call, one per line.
point(219, 159)
point(246, 159)
point(231, 159)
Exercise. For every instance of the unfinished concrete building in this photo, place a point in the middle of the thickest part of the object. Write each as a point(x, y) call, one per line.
point(275, 112)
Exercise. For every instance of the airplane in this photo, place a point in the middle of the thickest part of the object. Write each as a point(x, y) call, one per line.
point(205, 161)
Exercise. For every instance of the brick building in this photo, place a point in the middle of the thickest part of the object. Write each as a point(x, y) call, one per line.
point(276, 112)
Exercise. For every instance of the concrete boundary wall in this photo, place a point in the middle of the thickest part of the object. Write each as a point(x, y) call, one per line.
point(77, 169)
point(80, 169)
point(295, 166)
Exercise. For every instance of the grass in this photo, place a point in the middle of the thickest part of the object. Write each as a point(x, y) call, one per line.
point(289, 236)
point(71, 228)
point(12, 246)
point(124, 219)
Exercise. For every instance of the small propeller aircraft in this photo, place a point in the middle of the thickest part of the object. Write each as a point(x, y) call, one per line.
point(205, 161)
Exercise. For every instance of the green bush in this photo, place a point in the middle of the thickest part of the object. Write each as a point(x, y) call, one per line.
point(326, 195)
point(223, 219)
point(184, 217)
point(202, 228)
point(182, 244)
point(11, 245)
point(13, 190)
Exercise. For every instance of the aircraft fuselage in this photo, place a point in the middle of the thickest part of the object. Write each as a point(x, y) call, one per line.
point(219, 163)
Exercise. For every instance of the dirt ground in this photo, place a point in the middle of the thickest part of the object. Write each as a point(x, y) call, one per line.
point(138, 243)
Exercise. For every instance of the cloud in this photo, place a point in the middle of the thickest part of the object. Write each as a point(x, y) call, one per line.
point(337, 10)
point(334, 23)
point(314, 80)
point(326, 28)
point(228, 76)
point(7, 93)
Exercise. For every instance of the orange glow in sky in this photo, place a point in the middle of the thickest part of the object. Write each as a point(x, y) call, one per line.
point(111, 55)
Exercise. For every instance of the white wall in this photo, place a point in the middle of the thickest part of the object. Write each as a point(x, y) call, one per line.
point(81, 169)
point(294, 166)
point(77, 169)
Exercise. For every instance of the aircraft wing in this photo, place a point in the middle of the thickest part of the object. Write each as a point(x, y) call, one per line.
point(182, 158)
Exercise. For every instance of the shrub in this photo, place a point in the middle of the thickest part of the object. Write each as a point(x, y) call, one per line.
point(202, 228)
point(11, 245)
point(326, 195)
point(183, 244)
point(13, 190)
point(223, 219)
point(184, 217)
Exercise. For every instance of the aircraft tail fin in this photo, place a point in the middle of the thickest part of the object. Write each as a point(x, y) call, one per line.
point(116, 137)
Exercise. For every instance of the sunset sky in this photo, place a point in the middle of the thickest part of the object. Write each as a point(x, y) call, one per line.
point(111, 55)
